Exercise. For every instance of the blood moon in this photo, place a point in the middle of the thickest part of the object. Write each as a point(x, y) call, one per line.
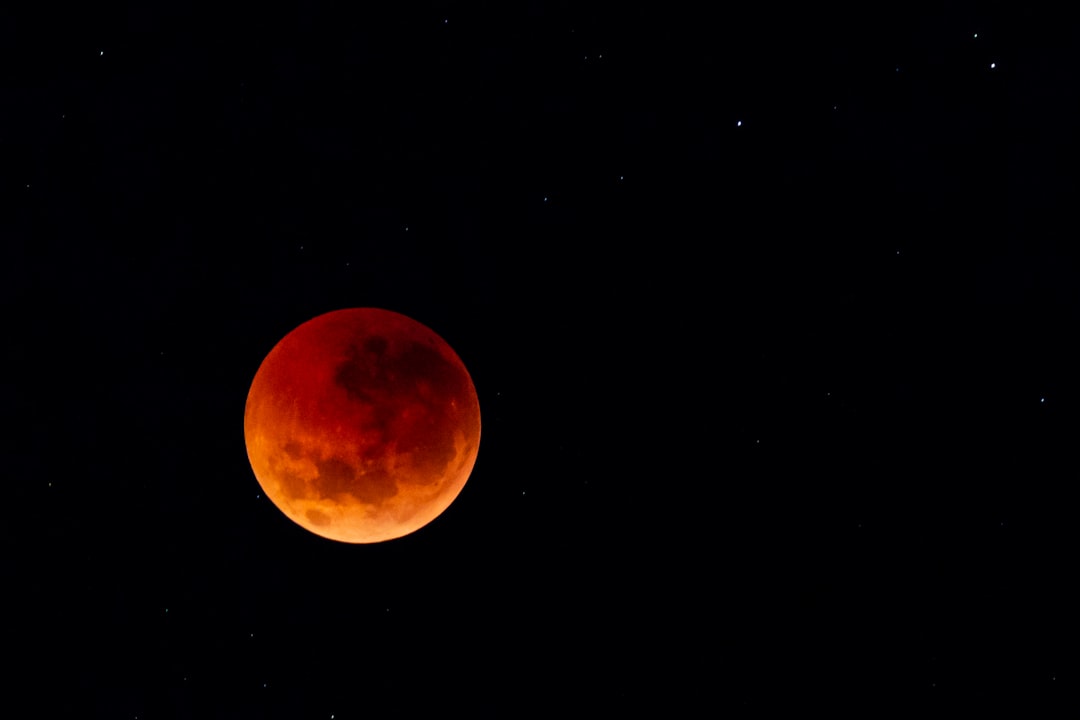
point(362, 425)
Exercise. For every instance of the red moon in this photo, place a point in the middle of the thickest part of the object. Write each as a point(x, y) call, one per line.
point(362, 425)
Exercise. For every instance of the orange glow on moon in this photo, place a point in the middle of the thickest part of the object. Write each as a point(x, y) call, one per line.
point(362, 425)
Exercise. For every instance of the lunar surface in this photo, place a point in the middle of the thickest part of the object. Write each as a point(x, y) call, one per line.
point(362, 425)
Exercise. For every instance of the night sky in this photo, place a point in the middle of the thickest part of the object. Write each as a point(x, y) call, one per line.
point(771, 312)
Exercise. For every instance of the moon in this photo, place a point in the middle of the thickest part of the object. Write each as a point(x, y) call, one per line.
point(362, 425)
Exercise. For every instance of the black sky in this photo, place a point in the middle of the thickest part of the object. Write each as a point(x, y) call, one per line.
point(771, 312)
